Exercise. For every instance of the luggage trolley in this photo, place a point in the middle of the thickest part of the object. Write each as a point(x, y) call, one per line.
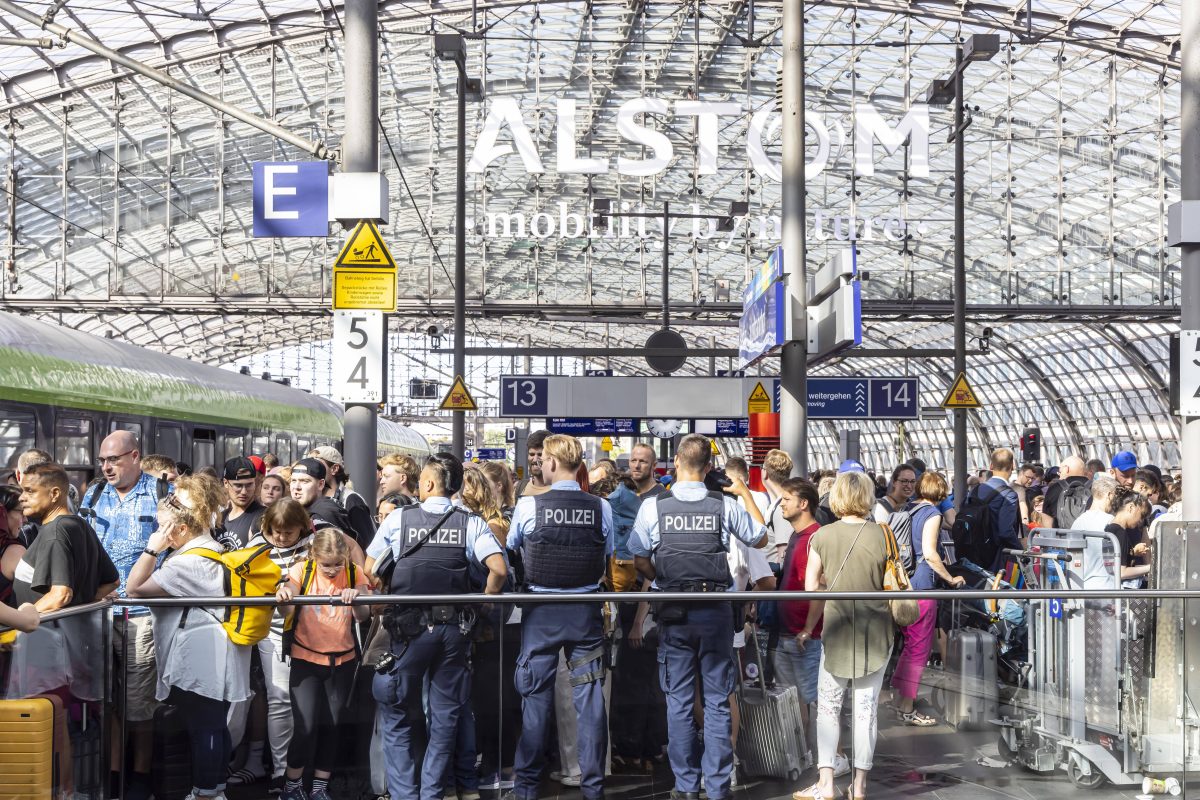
point(1079, 713)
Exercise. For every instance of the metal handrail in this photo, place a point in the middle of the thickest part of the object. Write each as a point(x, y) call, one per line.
point(685, 597)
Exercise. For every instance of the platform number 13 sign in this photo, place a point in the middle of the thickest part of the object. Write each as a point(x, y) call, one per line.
point(359, 341)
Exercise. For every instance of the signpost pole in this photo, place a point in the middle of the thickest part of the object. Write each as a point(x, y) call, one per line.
point(360, 153)
point(960, 286)
point(459, 430)
point(1189, 90)
point(793, 397)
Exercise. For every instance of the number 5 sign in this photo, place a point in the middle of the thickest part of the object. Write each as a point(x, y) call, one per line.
point(359, 341)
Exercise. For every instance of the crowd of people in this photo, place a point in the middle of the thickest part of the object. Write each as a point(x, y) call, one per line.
point(490, 696)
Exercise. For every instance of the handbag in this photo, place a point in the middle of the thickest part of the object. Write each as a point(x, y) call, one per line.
point(905, 610)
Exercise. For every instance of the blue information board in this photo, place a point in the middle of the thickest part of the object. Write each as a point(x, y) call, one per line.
point(761, 328)
point(291, 198)
point(589, 426)
point(860, 398)
point(733, 427)
point(491, 454)
point(523, 396)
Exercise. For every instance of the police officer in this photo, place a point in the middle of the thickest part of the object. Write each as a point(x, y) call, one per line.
point(565, 537)
point(680, 540)
point(428, 549)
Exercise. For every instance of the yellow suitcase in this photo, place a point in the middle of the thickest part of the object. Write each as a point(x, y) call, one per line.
point(28, 754)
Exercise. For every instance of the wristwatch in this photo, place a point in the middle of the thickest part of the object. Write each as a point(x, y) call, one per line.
point(150, 552)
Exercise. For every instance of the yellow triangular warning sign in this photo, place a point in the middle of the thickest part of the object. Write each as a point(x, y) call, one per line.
point(961, 395)
point(365, 248)
point(760, 401)
point(459, 397)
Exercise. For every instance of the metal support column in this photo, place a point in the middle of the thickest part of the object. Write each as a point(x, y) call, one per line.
point(960, 285)
point(793, 394)
point(1189, 168)
point(458, 432)
point(360, 153)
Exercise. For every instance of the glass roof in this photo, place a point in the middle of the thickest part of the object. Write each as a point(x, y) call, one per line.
point(128, 200)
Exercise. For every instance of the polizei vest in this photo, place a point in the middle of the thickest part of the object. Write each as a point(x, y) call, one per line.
point(439, 566)
point(566, 548)
point(690, 554)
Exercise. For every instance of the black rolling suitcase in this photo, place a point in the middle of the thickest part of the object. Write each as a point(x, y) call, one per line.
point(171, 772)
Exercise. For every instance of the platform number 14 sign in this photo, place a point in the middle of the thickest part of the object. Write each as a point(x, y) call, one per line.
point(359, 342)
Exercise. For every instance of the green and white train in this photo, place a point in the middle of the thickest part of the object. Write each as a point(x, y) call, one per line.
point(64, 391)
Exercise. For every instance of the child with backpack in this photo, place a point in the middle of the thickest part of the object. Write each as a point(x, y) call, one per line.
point(325, 655)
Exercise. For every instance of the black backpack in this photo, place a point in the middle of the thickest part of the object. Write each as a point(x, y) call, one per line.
point(973, 533)
point(1072, 501)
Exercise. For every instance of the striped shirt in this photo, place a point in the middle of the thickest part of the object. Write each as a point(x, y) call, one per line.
point(285, 558)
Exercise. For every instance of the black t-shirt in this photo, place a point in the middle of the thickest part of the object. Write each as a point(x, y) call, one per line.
point(1050, 504)
point(245, 526)
point(325, 512)
point(1129, 538)
point(66, 552)
point(358, 514)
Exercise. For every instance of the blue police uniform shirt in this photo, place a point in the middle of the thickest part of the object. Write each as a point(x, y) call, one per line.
point(481, 543)
point(645, 538)
point(522, 525)
point(124, 525)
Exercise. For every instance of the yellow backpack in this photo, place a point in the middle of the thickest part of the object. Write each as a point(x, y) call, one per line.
point(248, 572)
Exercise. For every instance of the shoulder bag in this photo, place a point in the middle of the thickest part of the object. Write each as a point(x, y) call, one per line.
point(904, 610)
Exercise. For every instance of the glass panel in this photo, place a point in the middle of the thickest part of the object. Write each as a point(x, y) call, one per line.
point(204, 449)
point(262, 443)
point(18, 433)
point(303, 446)
point(126, 425)
point(283, 448)
point(235, 445)
point(168, 441)
point(73, 440)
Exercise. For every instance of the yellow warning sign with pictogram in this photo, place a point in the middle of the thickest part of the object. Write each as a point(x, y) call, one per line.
point(365, 248)
point(459, 397)
point(606, 444)
point(961, 395)
point(760, 401)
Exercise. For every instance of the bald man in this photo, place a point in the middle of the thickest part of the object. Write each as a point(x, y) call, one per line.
point(123, 511)
point(1069, 496)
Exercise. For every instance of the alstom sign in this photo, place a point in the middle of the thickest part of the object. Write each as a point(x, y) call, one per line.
point(871, 133)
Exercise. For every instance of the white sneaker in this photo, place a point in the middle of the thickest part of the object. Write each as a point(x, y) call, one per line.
point(571, 780)
point(841, 765)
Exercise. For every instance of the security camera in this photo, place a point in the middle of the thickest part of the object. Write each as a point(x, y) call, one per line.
point(433, 331)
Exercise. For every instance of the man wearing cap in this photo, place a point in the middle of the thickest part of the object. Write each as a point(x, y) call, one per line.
point(1124, 464)
point(241, 486)
point(359, 515)
point(308, 489)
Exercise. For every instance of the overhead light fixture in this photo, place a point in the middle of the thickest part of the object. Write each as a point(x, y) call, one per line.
point(473, 88)
point(981, 46)
point(450, 46)
point(940, 92)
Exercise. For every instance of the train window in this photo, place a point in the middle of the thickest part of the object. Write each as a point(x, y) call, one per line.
point(73, 440)
point(204, 448)
point(262, 444)
point(18, 433)
point(235, 445)
point(303, 446)
point(168, 441)
point(125, 425)
point(283, 448)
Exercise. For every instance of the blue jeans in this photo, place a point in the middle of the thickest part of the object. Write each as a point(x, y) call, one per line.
point(700, 649)
point(577, 629)
point(799, 668)
point(209, 737)
point(419, 753)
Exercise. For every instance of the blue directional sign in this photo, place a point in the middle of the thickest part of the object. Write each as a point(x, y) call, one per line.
point(522, 396)
point(1056, 609)
point(589, 426)
point(860, 398)
point(733, 427)
point(491, 454)
point(598, 373)
point(761, 328)
point(291, 198)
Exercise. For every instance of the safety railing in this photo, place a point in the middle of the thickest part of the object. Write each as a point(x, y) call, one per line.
point(1055, 686)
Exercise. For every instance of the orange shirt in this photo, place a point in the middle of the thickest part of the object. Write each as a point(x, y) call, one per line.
point(324, 634)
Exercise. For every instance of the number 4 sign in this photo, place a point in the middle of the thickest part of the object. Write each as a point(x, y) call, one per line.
point(1189, 373)
point(359, 340)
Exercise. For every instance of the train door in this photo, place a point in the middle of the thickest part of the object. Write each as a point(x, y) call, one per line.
point(18, 433)
point(204, 448)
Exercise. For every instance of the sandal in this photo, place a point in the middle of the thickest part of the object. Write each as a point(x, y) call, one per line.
point(849, 794)
point(811, 793)
point(916, 719)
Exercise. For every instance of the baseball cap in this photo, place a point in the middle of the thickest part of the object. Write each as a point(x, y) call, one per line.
point(239, 468)
point(259, 466)
point(850, 465)
point(327, 453)
point(1124, 461)
point(310, 467)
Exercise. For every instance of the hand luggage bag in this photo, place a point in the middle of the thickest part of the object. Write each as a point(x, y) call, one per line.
point(771, 742)
point(171, 772)
point(972, 691)
point(32, 740)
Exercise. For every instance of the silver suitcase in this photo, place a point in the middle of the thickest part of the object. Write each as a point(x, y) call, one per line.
point(972, 691)
point(771, 743)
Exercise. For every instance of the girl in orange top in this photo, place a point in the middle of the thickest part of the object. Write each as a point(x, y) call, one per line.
point(324, 657)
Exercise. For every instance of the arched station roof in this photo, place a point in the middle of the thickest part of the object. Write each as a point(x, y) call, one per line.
point(129, 204)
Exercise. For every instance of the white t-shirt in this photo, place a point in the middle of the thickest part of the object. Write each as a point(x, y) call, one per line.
point(1097, 573)
point(779, 531)
point(747, 565)
point(198, 657)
